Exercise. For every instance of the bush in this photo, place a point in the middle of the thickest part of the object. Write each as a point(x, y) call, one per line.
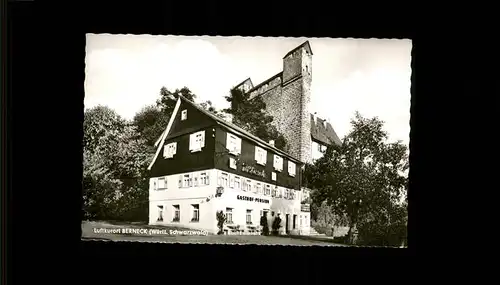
point(265, 227)
point(276, 226)
point(382, 235)
point(221, 219)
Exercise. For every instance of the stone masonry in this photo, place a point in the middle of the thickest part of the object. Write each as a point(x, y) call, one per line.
point(287, 96)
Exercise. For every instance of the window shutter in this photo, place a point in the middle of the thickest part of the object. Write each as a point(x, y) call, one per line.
point(238, 145)
point(191, 141)
point(180, 181)
point(174, 148)
point(219, 178)
point(228, 141)
point(257, 153)
point(231, 181)
point(208, 177)
point(165, 151)
point(196, 180)
point(190, 180)
point(202, 139)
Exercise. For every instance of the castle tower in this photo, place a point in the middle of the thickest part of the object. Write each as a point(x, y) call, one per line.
point(288, 97)
point(296, 89)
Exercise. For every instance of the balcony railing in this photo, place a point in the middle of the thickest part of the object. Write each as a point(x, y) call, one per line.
point(305, 207)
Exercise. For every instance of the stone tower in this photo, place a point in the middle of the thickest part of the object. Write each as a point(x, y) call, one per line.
point(296, 98)
point(288, 97)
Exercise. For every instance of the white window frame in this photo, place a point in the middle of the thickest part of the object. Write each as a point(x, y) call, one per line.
point(196, 212)
point(187, 180)
point(248, 218)
point(229, 215)
point(224, 179)
point(160, 213)
point(267, 190)
point(260, 155)
point(197, 141)
point(237, 183)
point(232, 163)
point(292, 170)
point(259, 189)
point(273, 176)
point(184, 115)
point(233, 144)
point(204, 179)
point(248, 185)
point(177, 213)
point(170, 150)
point(278, 163)
point(165, 183)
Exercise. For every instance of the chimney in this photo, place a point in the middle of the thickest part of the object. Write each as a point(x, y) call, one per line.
point(271, 142)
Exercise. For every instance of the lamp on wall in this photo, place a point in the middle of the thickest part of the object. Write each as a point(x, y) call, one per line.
point(219, 191)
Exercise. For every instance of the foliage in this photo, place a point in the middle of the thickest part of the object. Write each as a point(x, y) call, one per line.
point(207, 105)
point(152, 120)
point(250, 115)
point(361, 178)
point(221, 219)
point(264, 225)
point(387, 228)
point(116, 153)
point(276, 225)
point(114, 165)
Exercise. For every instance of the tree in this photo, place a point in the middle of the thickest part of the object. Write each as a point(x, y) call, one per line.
point(207, 105)
point(114, 167)
point(364, 177)
point(250, 115)
point(152, 120)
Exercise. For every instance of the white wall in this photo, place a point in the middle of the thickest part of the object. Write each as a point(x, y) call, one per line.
point(185, 197)
point(316, 152)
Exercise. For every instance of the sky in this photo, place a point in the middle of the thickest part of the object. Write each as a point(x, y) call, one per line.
point(372, 76)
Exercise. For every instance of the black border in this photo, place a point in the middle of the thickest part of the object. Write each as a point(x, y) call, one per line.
point(49, 106)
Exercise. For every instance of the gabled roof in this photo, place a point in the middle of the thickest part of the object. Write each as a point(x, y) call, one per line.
point(305, 45)
point(323, 132)
point(240, 131)
point(163, 136)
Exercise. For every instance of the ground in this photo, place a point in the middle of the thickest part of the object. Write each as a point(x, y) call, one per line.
point(88, 233)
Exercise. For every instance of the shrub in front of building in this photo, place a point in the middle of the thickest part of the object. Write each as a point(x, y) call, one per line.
point(265, 227)
point(276, 225)
point(221, 219)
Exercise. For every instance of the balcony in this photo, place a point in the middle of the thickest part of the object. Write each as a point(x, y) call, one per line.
point(305, 207)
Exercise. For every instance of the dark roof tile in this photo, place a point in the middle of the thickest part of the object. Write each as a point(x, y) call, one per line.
point(323, 132)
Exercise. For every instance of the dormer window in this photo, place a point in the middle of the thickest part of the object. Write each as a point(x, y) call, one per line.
point(162, 183)
point(184, 115)
point(233, 144)
point(291, 169)
point(197, 141)
point(278, 163)
point(169, 150)
point(260, 155)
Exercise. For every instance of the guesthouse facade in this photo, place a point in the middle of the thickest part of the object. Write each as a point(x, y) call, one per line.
point(204, 164)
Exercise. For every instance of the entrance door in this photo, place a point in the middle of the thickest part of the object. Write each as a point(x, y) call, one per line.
point(294, 222)
point(286, 222)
